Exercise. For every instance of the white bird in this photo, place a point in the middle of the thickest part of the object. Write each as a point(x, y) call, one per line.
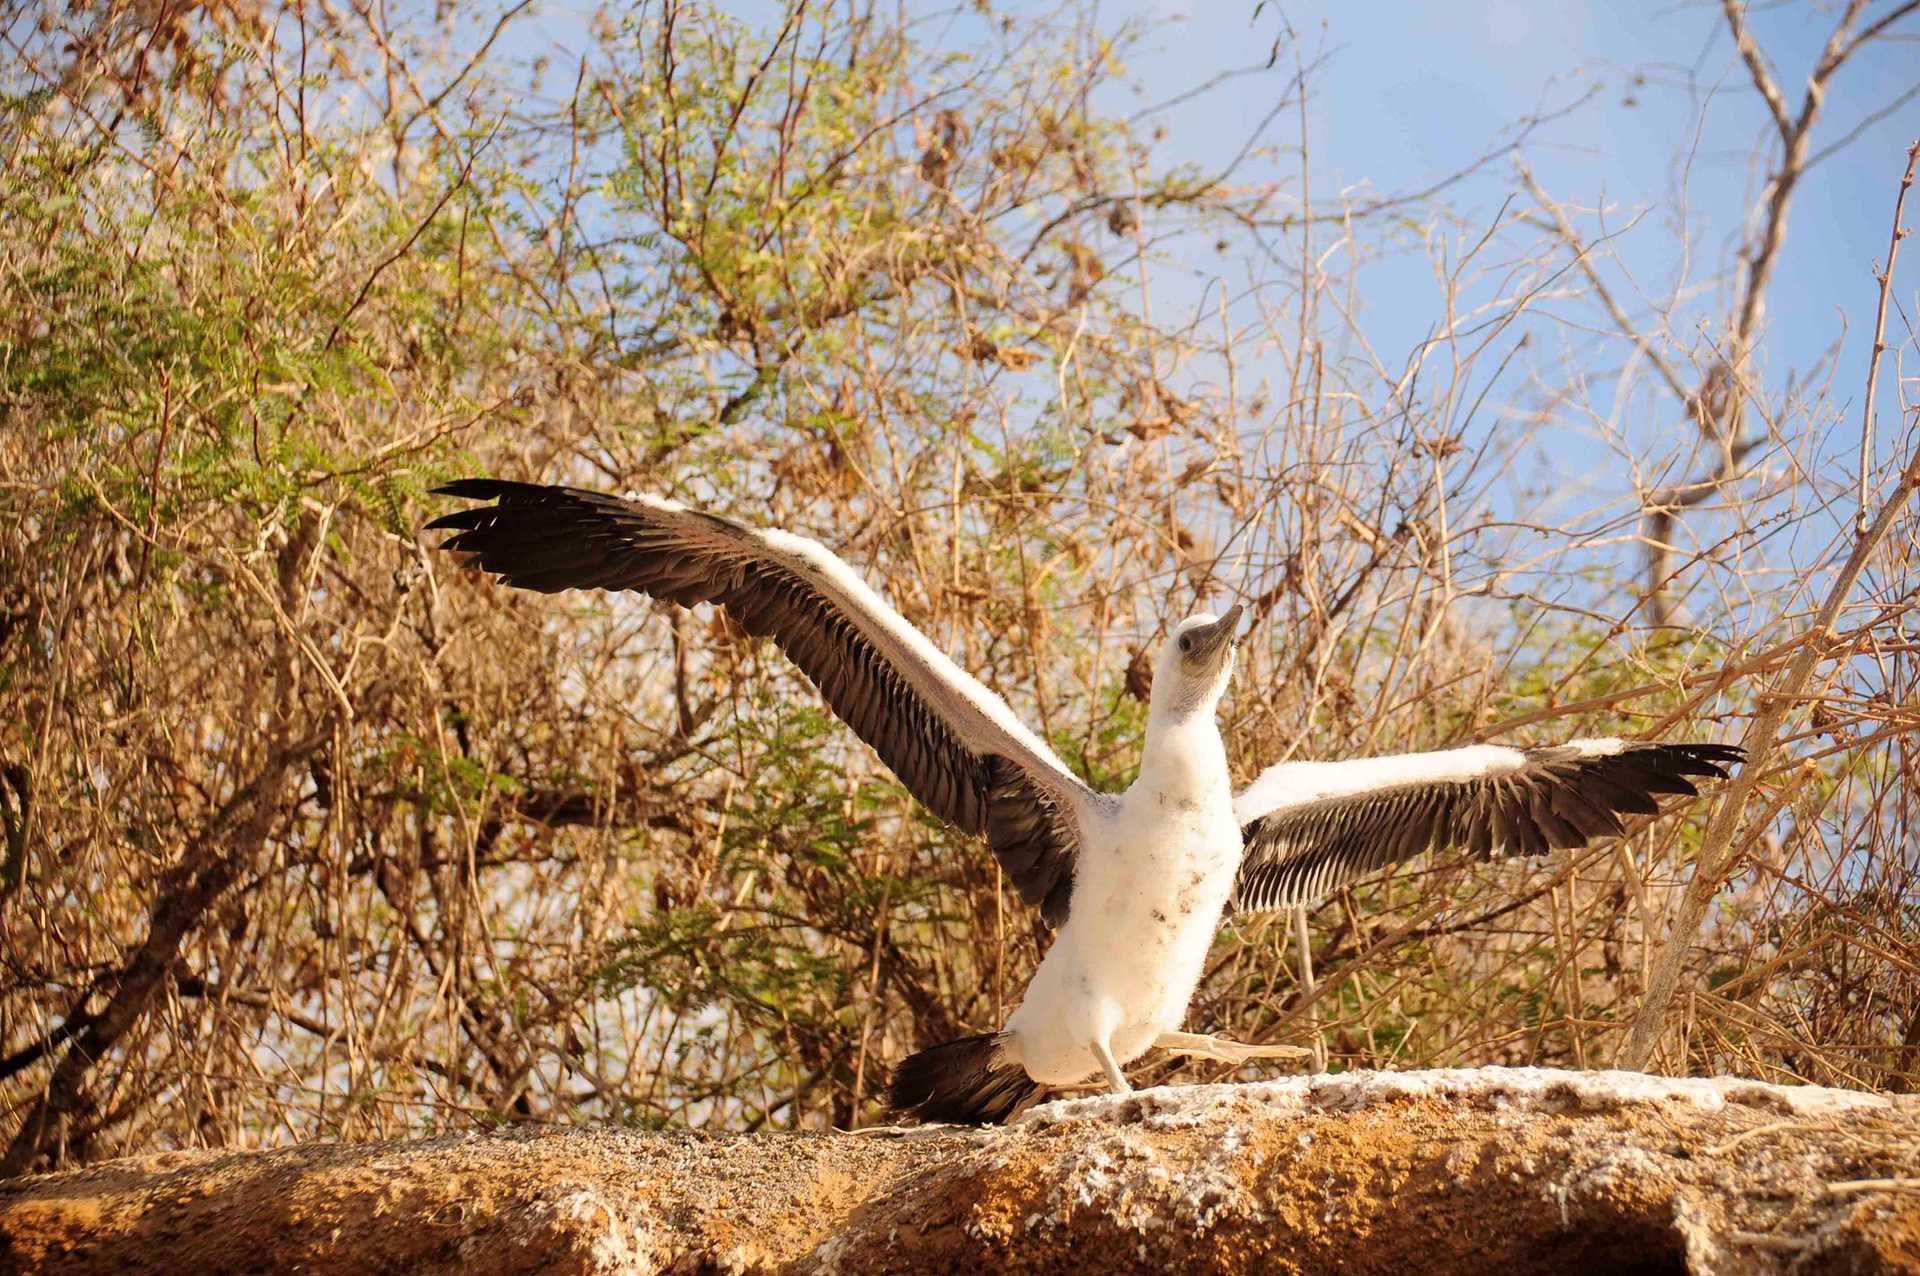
point(1136, 883)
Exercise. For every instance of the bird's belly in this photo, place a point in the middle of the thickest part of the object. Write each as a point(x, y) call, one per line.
point(1153, 946)
point(1125, 965)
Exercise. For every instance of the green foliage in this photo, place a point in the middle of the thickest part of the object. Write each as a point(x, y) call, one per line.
point(414, 850)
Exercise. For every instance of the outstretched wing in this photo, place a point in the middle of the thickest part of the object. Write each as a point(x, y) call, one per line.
point(1310, 827)
point(954, 744)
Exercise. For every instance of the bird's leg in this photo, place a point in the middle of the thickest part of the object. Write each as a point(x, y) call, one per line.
point(1200, 1046)
point(1115, 1078)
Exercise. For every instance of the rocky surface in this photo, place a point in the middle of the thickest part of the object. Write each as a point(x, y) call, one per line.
point(1506, 1170)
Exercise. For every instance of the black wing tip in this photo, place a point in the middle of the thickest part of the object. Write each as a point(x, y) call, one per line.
point(520, 502)
point(532, 536)
point(1693, 759)
point(479, 489)
point(1667, 756)
point(500, 491)
point(516, 492)
point(461, 520)
point(513, 492)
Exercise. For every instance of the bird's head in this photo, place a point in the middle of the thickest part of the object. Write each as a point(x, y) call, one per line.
point(1196, 663)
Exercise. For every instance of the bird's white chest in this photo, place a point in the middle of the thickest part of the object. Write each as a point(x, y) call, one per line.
point(1148, 890)
point(1146, 905)
point(1163, 887)
point(1169, 847)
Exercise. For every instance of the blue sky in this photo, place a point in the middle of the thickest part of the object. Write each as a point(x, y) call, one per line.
point(1407, 92)
point(1411, 92)
point(1664, 137)
point(1667, 137)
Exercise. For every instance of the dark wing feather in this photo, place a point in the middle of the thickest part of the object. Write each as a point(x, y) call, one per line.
point(1558, 797)
point(952, 750)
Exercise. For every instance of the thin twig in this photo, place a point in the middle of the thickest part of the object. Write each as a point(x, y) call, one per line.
point(1879, 347)
point(1718, 850)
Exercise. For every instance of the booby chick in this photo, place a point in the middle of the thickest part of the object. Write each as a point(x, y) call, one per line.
point(1136, 883)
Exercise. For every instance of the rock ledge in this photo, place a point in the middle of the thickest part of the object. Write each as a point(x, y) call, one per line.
point(1516, 1170)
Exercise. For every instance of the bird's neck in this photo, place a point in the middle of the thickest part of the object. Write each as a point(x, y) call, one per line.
point(1184, 756)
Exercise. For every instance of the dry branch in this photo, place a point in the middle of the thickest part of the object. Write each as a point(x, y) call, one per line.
point(1720, 848)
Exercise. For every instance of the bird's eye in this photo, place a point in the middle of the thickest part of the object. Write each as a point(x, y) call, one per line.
point(1186, 643)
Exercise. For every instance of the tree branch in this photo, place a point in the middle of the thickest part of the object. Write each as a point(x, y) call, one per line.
point(1719, 850)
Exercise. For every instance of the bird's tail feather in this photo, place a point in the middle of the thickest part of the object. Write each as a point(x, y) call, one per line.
point(963, 1082)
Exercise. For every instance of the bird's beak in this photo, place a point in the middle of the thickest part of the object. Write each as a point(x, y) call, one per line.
point(1211, 642)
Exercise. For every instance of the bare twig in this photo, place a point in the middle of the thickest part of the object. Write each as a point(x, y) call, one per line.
point(1719, 851)
point(1879, 346)
point(1719, 404)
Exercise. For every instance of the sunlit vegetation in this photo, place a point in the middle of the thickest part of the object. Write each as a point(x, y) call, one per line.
point(309, 832)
